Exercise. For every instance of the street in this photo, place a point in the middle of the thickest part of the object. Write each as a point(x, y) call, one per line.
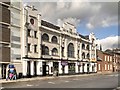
point(97, 81)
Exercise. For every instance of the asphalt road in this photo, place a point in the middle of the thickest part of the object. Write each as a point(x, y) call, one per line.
point(97, 81)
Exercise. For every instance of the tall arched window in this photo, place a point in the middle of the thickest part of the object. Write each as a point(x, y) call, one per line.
point(83, 46)
point(45, 50)
point(54, 52)
point(88, 55)
point(83, 55)
point(54, 39)
point(70, 50)
point(87, 47)
point(45, 37)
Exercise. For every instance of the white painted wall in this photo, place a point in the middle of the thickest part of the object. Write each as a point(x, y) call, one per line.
point(66, 69)
point(85, 67)
point(50, 65)
point(60, 68)
point(81, 67)
point(24, 67)
point(76, 67)
point(32, 67)
point(39, 68)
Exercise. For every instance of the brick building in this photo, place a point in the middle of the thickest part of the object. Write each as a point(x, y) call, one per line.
point(116, 58)
point(104, 62)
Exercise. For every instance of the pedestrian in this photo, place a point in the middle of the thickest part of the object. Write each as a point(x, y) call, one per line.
point(11, 76)
point(8, 74)
point(14, 74)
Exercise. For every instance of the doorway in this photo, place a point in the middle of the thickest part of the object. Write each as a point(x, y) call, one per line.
point(35, 68)
point(88, 68)
point(45, 69)
point(28, 69)
point(71, 68)
point(55, 66)
point(83, 68)
point(63, 69)
point(3, 71)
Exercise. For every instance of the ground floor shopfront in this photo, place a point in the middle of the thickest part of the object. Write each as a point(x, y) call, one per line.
point(62, 67)
point(5, 66)
point(30, 68)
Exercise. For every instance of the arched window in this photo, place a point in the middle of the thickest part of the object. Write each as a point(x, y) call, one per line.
point(45, 50)
point(54, 52)
point(88, 55)
point(54, 39)
point(83, 46)
point(87, 47)
point(70, 50)
point(83, 55)
point(45, 37)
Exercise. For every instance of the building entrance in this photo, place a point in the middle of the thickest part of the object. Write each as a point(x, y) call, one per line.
point(71, 68)
point(28, 69)
point(45, 69)
point(35, 68)
point(3, 71)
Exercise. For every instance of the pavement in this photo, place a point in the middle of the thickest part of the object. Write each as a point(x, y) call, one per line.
point(102, 82)
point(48, 77)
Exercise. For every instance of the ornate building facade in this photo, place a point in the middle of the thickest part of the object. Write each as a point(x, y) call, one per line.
point(48, 48)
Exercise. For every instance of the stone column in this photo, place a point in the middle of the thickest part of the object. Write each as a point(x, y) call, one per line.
point(32, 67)
point(24, 62)
point(60, 68)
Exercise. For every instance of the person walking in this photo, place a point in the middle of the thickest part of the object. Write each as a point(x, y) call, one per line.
point(8, 74)
point(14, 74)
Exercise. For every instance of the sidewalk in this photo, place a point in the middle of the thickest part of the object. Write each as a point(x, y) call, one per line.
point(49, 77)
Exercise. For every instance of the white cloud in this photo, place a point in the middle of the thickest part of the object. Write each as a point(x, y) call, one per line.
point(90, 26)
point(92, 14)
point(71, 20)
point(109, 42)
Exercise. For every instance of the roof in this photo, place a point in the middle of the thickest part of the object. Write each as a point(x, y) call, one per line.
point(109, 53)
point(84, 37)
point(112, 52)
point(50, 25)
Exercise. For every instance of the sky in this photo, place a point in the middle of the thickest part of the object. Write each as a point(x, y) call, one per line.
point(101, 18)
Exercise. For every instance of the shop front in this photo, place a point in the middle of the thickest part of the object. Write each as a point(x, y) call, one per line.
point(55, 68)
point(3, 70)
point(71, 68)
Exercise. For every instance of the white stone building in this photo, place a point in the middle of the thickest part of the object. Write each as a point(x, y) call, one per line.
point(47, 48)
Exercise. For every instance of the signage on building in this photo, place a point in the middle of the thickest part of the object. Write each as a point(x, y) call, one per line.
point(64, 63)
point(79, 63)
point(93, 59)
point(11, 66)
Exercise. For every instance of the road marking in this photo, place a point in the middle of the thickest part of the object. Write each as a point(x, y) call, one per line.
point(29, 85)
point(51, 82)
point(75, 79)
point(67, 81)
point(2, 88)
point(113, 75)
point(118, 88)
